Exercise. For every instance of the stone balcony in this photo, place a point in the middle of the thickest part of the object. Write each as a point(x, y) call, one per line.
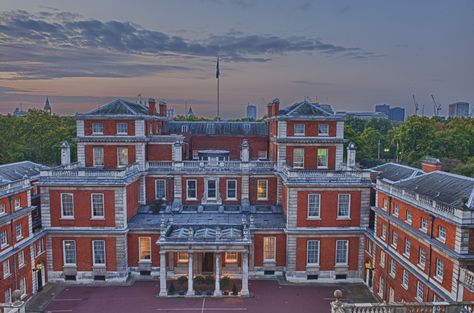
point(340, 176)
point(14, 187)
point(210, 166)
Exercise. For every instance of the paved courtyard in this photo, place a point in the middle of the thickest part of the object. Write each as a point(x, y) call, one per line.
point(267, 296)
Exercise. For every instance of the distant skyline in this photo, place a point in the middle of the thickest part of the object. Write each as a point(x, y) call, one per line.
point(351, 54)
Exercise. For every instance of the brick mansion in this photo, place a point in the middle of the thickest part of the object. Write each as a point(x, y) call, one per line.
point(154, 197)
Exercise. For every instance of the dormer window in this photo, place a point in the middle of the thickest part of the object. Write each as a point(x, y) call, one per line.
point(323, 130)
point(298, 130)
point(97, 128)
point(184, 128)
point(122, 129)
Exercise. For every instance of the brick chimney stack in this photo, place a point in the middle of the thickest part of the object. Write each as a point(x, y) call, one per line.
point(162, 105)
point(269, 109)
point(151, 106)
point(430, 164)
point(275, 107)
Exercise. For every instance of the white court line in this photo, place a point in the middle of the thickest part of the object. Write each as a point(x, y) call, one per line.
point(203, 303)
point(53, 311)
point(203, 309)
point(67, 299)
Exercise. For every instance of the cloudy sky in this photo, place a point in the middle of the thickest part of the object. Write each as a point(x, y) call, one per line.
point(352, 54)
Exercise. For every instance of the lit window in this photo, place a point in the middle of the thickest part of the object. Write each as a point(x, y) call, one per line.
point(439, 269)
point(393, 268)
point(312, 252)
point(231, 189)
point(441, 233)
point(97, 200)
point(299, 130)
point(21, 259)
point(382, 258)
point(395, 210)
point(211, 189)
point(19, 232)
point(69, 251)
point(98, 156)
point(419, 291)
point(424, 224)
point(122, 156)
point(323, 129)
point(269, 249)
point(395, 239)
point(160, 189)
point(407, 248)
point(323, 158)
point(145, 248)
point(422, 258)
point(183, 257)
point(3, 239)
point(314, 205)
point(343, 206)
point(122, 129)
point(97, 128)
point(408, 217)
point(67, 205)
point(262, 190)
point(17, 204)
point(341, 251)
point(405, 279)
point(191, 193)
point(231, 257)
point(6, 268)
point(298, 158)
point(98, 252)
point(2, 208)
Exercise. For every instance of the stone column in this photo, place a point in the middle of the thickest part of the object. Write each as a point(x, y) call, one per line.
point(217, 291)
point(245, 274)
point(163, 290)
point(190, 275)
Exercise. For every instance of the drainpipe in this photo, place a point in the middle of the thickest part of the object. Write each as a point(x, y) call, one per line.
point(15, 283)
point(387, 237)
point(432, 218)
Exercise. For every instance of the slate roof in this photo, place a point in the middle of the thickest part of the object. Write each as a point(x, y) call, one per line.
point(216, 128)
point(394, 172)
point(16, 171)
point(119, 107)
point(441, 186)
point(306, 108)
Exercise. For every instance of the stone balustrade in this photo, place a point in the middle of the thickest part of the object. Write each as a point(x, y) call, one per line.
point(326, 174)
point(467, 279)
point(209, 165)
point(6, 188)
point(74, 170)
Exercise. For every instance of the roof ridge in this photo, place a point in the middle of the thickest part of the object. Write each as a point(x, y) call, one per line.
point(127, 106)
point(453, 174)
point(18, 162)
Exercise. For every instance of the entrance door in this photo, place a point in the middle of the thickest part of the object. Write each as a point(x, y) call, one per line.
point(208, 262)
point(39, 279)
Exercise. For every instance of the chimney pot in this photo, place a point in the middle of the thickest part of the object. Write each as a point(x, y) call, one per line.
point(151, 106)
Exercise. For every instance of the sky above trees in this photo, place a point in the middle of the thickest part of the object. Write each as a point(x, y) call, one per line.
point(351, 54)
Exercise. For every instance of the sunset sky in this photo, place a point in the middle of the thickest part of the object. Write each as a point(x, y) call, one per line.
point(352, 54)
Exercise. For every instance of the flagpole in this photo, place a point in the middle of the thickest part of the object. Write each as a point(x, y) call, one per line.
point(218, 76)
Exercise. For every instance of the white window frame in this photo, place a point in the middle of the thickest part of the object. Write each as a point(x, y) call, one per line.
point(409, 217)
point(6, 269)
point(393, 268)
point(21, 259)
point(406, 252)
point(8, 295)
point(95, 156)
point(93, 215)
point(19, 232)
point(394, 239)
point(121, 131)
point(216, 189)
point(326, 133)
point(265, 181)
point(346, 245)
point(94, 242)
point(298, 158)
point(381, 283)
point(262, 155)
point(97, 131)
point(299, 132)
point(385, 204)
point(405, 279)
point(383, 235)
point(120, 153)
point(420, 290)
point(188, 189)
point(421, 260)
point(441, 234)
point(157, 182)
point(424, 224)
point(17, 203)
point(145, 239)
point(68, 216)
point(339, 196)
point(439, 274)
point(327, 159)
point(269, 249)
point(317, 206)
point(382, 259)
point(183, 257)
point(231, 257)
point(227, 189)
point(4, 239)
point(316, 255)
point(23, 287)
point(396, 210)
point(2, 208)
point(65, 257)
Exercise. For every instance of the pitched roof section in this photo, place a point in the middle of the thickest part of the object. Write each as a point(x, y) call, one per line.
point(395, 172)
point(16, 171)
point(308, 109)
point(120, 107)
point(449, 188)
point(216, 128)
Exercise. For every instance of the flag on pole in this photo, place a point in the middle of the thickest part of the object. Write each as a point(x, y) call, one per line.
point(218, 73)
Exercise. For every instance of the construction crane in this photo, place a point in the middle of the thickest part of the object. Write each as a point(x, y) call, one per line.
point(417, 107)
point(436, 106)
